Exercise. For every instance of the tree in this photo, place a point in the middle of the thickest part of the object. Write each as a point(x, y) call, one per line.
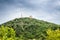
point(7, 33)
point(53, 34)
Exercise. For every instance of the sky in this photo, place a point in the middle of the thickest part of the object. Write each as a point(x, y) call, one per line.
point(47, 10)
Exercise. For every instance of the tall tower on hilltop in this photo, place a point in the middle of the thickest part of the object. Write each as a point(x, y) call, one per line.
point(21, 15)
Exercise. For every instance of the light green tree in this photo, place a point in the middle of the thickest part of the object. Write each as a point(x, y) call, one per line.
point(53, 34)
point(7, 33)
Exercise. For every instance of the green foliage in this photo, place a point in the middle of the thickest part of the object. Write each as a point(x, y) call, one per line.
point(53, 35)
point(27, 29)
point(7, 33)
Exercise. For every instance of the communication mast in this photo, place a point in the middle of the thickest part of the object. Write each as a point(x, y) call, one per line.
point(21, 15)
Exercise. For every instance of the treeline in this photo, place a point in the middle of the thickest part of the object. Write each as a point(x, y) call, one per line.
point(29, 29)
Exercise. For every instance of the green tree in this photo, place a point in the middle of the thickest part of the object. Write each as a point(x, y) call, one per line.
point(53, 34)
point(7, 33)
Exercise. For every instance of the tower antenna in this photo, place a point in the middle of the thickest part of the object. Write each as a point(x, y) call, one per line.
point(21, 15)
point(21, 12)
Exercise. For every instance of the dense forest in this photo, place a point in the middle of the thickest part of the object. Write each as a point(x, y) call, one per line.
point(29, 29)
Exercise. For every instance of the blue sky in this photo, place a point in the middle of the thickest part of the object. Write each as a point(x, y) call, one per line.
point(47, 10)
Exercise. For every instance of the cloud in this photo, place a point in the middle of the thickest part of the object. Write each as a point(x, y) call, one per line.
point(48, 10)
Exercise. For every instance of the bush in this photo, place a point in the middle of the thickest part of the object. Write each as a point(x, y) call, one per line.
point(53, 34)
point(7, 33)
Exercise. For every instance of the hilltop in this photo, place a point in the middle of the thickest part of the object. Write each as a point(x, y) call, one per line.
point(30, 27)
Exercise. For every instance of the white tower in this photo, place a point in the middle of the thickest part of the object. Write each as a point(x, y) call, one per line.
point(21, 15)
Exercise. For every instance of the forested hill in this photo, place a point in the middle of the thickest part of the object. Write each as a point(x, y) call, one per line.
point(29, 21)
point(31, 28)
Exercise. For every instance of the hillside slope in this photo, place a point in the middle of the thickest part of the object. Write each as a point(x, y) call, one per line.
point(30, 27)
point(29, 21)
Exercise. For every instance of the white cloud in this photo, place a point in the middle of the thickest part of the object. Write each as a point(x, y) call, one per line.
point(40, 9)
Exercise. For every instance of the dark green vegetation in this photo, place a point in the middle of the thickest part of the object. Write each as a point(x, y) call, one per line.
point(30, 29)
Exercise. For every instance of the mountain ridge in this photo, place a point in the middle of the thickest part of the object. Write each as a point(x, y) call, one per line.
point(30, 27)
point(29, 18)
